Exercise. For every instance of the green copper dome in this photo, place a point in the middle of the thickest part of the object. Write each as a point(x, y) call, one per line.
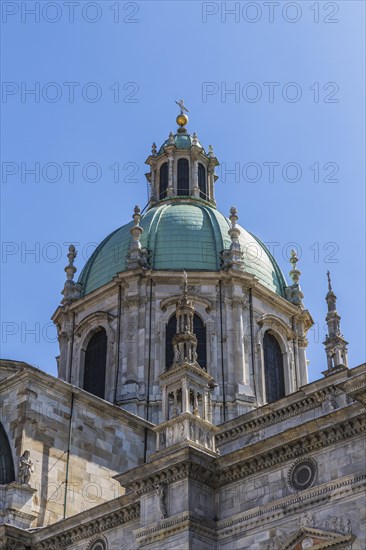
point(182, 140)
point(180, 235)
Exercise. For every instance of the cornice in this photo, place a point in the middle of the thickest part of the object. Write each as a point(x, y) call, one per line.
point(268, 415)
point(172, 301)
point(355, 387)
point(282, 508)
point(181, 370)
point(184, 462)
point(101, 407)
point(291, 444)
point(176, 524)
point(81, 531)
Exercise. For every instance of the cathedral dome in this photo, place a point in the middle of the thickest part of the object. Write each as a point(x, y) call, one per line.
point(180, 235)
point(182, 140)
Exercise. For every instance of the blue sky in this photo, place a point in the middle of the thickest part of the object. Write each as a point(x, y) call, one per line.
point(105, 76)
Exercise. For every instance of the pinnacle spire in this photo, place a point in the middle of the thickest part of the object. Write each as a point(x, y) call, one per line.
point(335, 344)
point(233, 257)
point(71, 290)
point(293, 292)
point(185, 341)
point(137, 256)
point(329, 281)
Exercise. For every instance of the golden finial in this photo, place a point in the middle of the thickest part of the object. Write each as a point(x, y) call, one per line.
point(182, 118)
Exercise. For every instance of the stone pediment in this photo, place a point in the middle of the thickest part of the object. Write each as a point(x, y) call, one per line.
point(316, 539)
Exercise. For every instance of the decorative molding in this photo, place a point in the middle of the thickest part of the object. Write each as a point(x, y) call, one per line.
point(294, 443)
point(172, 301)
point(174, 525)
point(283, 508)
point(274, 416)
point(310, 466)
point(273, 321)
point(90, 321)
point(89, 529)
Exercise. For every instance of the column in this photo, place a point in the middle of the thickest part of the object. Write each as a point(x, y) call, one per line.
point(170, 191)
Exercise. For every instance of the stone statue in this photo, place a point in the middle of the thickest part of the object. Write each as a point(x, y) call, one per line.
point(306, 520)
point(161, 494)
point(25, 468)
point(180, 103)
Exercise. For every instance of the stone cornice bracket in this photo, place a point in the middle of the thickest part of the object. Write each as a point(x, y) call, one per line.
point(293, 292)
point(71, 290)
point(137, 256)
point(232, 258)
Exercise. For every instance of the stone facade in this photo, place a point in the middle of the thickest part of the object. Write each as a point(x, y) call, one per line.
point(178, 453)
point(77, 442)
point(244, 496)
point(234, 302)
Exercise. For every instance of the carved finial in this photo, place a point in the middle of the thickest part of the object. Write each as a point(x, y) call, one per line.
point(136, 215)
point(210, 151)
point(182, 107)
point(233, 216)
point(71, 291)
point(153, 149)
point(137, 257)
point(182, 118)
point(194, 139)
point(232, 258)
point(329, 282)
point(294, 273)
point(171, 138)
point(70, 268)
point(335, 344)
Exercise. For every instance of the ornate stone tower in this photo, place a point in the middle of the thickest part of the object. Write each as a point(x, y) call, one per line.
point(186, 388)
point(335, 344)
point(116, 323)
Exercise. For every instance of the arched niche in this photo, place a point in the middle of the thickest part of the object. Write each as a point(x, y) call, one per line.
point(6, 458)
point(199, 329)
point(95, 363)
point(84, 332)
point(273, 368)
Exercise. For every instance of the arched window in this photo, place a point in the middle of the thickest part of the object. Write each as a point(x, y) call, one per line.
point(163, 183)
point(273, 368)
point(202, 181)
point(6, 459)
point(183, 177)
point(200, 332)
point(95, 364)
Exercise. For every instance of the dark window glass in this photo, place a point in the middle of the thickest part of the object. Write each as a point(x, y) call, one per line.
point(164, 177)
point(202, 181)
point(273, 368)
point(199, 331)
point(95, 364)
point(183, 177)
point(171, 329)
point(6, 459)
